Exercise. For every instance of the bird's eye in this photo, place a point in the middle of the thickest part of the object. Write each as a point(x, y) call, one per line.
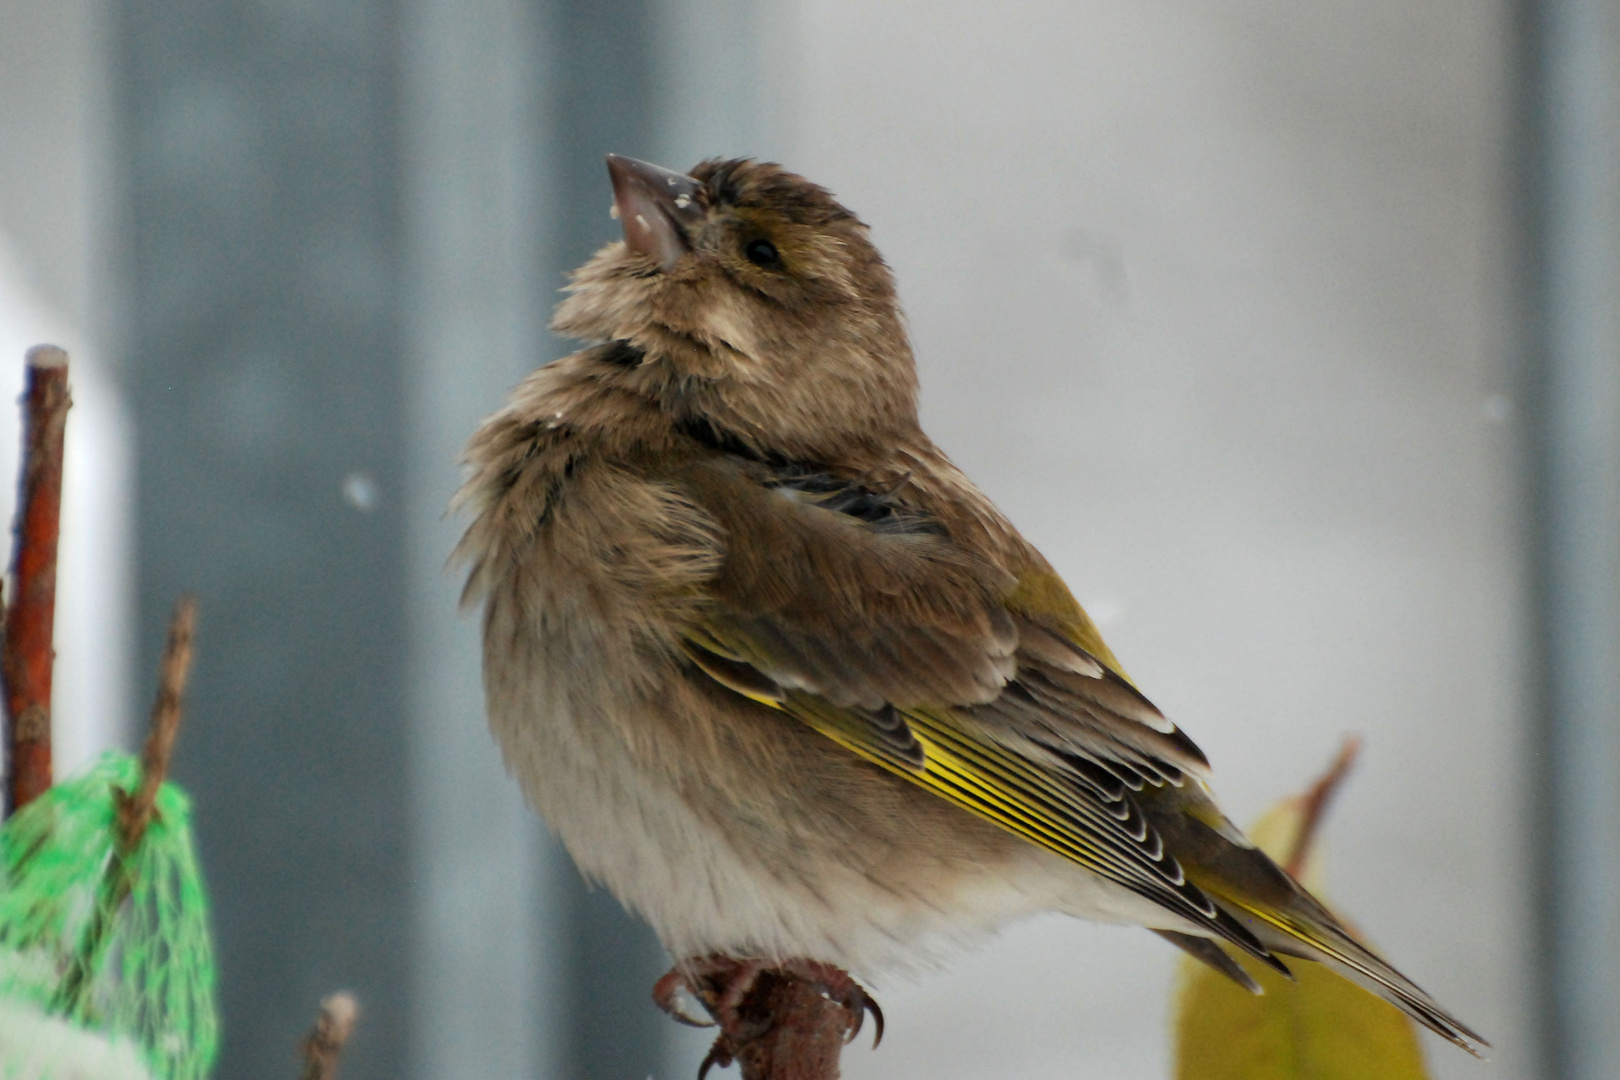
point(762, 253)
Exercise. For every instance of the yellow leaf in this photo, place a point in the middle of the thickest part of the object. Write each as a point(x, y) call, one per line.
point(1319, 1028)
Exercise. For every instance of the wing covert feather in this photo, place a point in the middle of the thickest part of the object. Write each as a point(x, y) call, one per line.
point(875, 629)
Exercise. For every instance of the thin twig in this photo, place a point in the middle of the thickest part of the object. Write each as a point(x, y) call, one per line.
point(323, 1045)
point(27, 653)
point(777, 1020)
point(135, 812)
point(800, 1031)
point(1315, 803)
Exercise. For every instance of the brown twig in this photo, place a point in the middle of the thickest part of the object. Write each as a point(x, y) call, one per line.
point(27, 653)
point(1315, 803)
point(135, 811)
point(794, 1031)
point(778, 1020)
point(323, 1045)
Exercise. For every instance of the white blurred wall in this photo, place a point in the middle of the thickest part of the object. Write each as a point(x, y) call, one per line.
point(53, 242)
point(1209, 298)
point(90, 682)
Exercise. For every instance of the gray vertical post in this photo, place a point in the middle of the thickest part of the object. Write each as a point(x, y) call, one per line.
point(521, 969)
point(1572, 74)
point(712, 95)
point(600, 98)
point(258, 170)
point(484, 987)
point(671, 81)
point(714, 99)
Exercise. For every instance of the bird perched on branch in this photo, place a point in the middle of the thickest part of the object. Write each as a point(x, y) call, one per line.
point(777, 673)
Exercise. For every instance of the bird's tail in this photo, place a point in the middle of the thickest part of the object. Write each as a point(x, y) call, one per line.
point(1276, 909)
point(1304, 928)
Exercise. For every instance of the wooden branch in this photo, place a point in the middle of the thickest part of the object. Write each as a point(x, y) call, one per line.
point(135, 810)
point(777, 1019)
point(791, 1030)
point(323, 1045)
point(27, 653)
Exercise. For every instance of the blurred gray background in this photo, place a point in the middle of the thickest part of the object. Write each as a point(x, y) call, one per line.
point(1286, 330)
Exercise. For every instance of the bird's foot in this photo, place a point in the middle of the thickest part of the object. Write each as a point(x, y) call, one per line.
point(836, 983)
point(666, 995)
point(726, 987)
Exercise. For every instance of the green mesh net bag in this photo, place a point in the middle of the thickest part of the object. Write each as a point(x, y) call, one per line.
point(106, 967)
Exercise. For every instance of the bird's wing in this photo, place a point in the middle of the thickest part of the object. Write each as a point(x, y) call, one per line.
point(866, 622)
point(993, 691)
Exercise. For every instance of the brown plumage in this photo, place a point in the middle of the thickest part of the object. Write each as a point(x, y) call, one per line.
point(775, 671)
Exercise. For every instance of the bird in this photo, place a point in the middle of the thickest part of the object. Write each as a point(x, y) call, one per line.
point(775, 671)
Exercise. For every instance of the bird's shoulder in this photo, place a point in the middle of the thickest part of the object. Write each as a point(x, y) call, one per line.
point(574, 474)
point(906, 499)
point(887, 525)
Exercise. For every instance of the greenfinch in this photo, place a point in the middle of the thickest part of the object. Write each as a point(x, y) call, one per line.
point(777, 673)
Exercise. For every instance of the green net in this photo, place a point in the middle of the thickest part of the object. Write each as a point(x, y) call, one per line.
point(106, 967)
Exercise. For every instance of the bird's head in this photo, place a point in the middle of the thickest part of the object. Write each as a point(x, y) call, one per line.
point(749, 297)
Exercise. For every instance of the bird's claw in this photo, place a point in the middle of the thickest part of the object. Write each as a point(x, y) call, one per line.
point(666, 993)
point(839, 987)
point(719, 1054)
point(722, 984)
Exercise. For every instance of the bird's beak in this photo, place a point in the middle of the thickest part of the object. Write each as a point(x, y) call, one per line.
point(655, 206)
